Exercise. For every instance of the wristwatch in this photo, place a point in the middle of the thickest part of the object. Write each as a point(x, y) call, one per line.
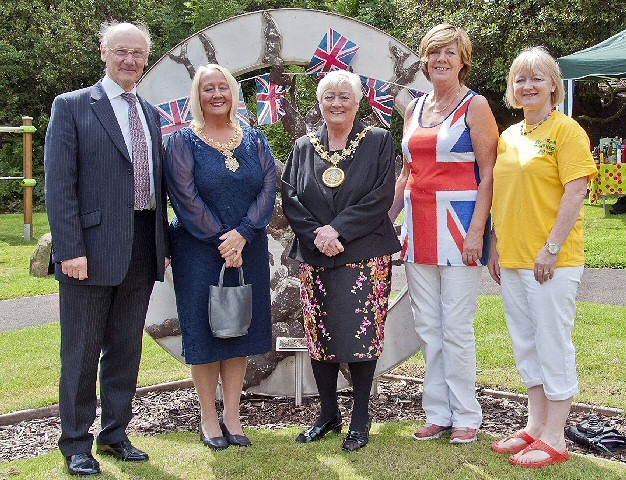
point(553, 248)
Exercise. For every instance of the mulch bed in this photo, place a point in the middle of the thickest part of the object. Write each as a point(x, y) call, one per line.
point(172, 411)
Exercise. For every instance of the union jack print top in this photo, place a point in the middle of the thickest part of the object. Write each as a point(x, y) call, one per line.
point(440, 194)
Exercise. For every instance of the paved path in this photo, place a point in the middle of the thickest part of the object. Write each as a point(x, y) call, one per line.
point(599, 285)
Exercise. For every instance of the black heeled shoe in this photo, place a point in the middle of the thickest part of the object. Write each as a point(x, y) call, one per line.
point(216, 443)
point(239, 440)
point(315, 433)
point(355, 440)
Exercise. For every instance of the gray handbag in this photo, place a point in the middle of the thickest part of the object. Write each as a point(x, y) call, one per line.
point(230, 308)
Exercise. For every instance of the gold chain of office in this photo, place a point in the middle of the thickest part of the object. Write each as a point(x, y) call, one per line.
point(225, 149)
point(334, 176)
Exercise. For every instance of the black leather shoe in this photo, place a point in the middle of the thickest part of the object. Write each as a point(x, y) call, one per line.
point(82, 464)
point(356, 440)
point(239, 440)
point(216, 443)
point(315, 433)
point(123, 450)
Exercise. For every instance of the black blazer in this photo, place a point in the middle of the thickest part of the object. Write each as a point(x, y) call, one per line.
point(90, 186)
point(357, 209)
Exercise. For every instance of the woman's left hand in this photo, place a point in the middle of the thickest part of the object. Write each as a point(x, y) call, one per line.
point(545, 264)
point(327, 241)
point(472, 248)
point(231, 248)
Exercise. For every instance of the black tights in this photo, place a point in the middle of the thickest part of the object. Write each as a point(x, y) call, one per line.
point(362, 374)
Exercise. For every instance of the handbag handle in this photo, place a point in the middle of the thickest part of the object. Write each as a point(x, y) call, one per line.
point(221, 281)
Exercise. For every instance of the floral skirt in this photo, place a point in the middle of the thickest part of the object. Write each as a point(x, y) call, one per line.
point(345, 308)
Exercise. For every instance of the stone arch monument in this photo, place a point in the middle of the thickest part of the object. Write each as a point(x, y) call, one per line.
point(272, 39)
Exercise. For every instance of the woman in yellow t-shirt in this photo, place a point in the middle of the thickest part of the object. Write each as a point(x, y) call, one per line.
point(540, 181)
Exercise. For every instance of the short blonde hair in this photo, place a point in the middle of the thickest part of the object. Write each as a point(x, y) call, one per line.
point(194, 96)
point(535, 59)
point(444, 34)
point(340, 77)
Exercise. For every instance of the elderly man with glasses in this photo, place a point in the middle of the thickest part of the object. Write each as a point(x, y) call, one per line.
point(108, 216)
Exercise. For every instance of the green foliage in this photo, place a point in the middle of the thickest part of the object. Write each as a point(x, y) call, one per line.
point(499, 30)
point(50, 47)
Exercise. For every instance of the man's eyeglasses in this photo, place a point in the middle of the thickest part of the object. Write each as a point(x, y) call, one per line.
point(122, 53)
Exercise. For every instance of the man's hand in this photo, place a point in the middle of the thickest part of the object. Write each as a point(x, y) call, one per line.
point(75, 267)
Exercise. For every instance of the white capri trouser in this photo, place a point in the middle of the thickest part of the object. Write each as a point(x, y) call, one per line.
point(540, 318)
point(444, 301)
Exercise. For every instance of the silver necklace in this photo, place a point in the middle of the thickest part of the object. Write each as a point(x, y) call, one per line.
point(445, 108)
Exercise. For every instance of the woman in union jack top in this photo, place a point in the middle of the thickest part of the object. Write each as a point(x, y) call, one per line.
point(449, 147)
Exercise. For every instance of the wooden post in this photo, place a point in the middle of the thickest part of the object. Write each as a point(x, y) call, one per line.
point(27, 123)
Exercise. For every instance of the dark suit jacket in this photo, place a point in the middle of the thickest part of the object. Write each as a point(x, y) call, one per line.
point(357, 209)
point(90, 186)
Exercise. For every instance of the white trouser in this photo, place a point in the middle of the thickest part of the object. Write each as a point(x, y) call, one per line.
point(541, 318)
point(444, 300)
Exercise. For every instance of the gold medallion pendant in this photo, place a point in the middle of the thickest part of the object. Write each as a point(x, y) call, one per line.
point(231, 162)
point(333, 177)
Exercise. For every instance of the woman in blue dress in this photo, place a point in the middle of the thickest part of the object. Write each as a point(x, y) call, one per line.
point(221, 180)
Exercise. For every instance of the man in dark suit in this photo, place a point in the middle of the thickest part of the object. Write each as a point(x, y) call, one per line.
point(108, 216)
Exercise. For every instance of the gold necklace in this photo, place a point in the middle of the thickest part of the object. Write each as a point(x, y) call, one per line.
point(444, 108)
point(535, 126)
point(334, 176)
point(225, 149)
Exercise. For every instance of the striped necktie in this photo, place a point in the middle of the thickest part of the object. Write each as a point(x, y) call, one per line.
point(139, 146)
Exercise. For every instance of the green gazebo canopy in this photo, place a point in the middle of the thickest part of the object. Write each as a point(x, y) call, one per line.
point(606, 59)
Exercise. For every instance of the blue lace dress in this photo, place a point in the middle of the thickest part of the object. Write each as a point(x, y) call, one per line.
point(208, 201)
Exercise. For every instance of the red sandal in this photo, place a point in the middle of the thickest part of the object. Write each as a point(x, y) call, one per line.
point(517, 448)
point(555, 456)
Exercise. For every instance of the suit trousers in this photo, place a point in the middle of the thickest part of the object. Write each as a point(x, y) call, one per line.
point(444, 301)
point(105, 324)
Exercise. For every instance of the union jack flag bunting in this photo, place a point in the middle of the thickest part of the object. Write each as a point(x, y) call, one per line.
point(378, 98)
point(335, 52)
point(174, 115)
point(269, 100)
point(414, 93)
point(243, 115)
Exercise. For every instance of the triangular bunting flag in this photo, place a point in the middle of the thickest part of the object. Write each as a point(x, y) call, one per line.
point(243, 115)
point(174, 115)
point(378, 98)
point(335, 52)
point(269, 100)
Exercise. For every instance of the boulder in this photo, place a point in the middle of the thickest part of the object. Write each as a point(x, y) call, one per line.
point(40, 265)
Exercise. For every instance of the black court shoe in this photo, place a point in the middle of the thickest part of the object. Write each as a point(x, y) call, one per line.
point(315, 433)
point(216, 443)
point(239, 440)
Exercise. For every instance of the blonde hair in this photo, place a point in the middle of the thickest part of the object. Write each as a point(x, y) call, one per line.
point(340, 77)
point(441, 35)
point(535, 59)
point(194, 96)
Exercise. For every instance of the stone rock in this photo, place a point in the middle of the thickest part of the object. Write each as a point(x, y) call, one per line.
point(40, 259)
point(286, 299)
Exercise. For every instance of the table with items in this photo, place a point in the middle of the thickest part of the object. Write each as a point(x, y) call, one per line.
point(608, 183)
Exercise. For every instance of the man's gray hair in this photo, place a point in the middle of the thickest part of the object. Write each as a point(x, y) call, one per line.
point(107, 27)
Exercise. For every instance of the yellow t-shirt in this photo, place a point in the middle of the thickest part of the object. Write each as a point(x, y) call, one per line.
point(529, 177)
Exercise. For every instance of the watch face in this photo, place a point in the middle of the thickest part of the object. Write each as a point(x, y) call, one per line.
point(553, 248)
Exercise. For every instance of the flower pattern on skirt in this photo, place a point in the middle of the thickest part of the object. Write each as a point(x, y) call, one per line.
point(345, 309)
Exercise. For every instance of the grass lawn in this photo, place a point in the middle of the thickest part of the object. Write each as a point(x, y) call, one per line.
point(391, 454)
point(599, 339)
point(15, 253)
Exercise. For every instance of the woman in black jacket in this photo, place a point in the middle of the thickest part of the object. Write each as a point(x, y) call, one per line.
point(337, 188)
